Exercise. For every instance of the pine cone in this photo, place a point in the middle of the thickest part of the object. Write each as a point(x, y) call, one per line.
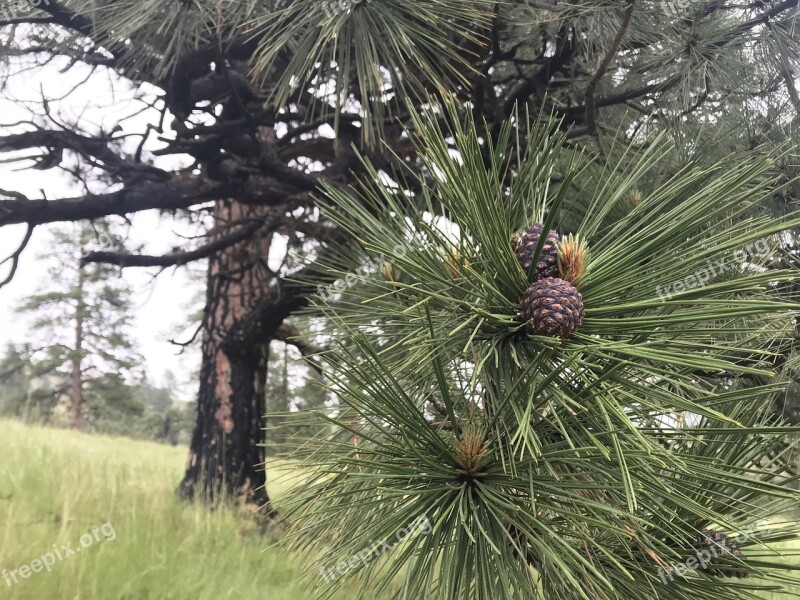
point(547, 262)
point(720, 543)
point(553, 307)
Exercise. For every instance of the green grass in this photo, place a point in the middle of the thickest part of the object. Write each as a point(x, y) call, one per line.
point(56, 485)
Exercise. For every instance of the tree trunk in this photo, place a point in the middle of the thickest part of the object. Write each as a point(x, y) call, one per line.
point(76, 377)
point(226, 457)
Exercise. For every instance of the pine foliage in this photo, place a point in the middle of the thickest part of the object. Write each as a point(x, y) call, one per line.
point(583, 467)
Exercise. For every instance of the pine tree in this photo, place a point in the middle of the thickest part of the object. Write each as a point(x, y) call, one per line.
point(255, 102)
point(111, 405)
point(81, 317)
point(294, 387)
point(15, 381)
point(634, 457)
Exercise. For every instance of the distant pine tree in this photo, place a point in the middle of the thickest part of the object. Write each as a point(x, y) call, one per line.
point(82, 317)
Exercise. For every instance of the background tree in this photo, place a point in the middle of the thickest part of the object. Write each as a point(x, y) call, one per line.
point(81, 318)
point(14, 373)
point(257, 102)
point(294, 387)
point(138, 409)
point(18, 395)
point(30, 391)
point(110, 400)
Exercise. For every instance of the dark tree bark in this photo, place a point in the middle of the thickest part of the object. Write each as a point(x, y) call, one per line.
point(226, 455)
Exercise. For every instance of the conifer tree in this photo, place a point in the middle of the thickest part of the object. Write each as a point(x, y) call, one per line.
point(82, 315)
point(549, 390)
point(239, 109)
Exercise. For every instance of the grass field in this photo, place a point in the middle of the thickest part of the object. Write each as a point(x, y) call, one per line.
point(57, 485)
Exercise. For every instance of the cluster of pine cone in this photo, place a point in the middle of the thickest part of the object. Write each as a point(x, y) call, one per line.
point(552, 305)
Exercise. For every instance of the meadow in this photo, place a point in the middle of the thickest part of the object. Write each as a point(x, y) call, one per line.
point(57, 486)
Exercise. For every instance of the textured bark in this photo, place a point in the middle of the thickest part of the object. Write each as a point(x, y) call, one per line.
point(76, 378)
point(226, 455)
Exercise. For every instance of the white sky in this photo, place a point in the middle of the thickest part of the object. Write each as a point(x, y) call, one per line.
point(161, 305)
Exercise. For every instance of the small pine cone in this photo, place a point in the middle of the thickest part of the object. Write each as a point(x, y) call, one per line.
point(720, 543)
point(709, 537)
point(547, 263)
point(573, 256)
point(552, 307)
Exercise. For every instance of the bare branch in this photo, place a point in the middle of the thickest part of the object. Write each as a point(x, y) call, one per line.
point(178, 258)
point(14, 257)
point(27, 21)
point(190, 341)
point(591, 110)
point(56, 142)
point(67, 18)
point(289, 334)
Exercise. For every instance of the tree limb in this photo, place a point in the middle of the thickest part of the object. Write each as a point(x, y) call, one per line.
point(289, 334)
point(179, 192)
point(27, 21)
point(591, 109)
point(14, 257)
point(91, 147)
point(123, 260)
point(67, 18)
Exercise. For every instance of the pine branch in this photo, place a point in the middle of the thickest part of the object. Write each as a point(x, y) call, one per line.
point(591, 109)
point(124, 260)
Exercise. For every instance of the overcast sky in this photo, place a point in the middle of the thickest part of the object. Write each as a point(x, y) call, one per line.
point(161, 304)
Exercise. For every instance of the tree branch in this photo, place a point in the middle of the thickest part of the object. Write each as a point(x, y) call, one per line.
point(591, 109)
point(123, 260)
point(91, 147)
point(539, 81)
point(289, 334)
point(67, 18)
point(14, 257)
point(27, 21)
point(179, 192)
